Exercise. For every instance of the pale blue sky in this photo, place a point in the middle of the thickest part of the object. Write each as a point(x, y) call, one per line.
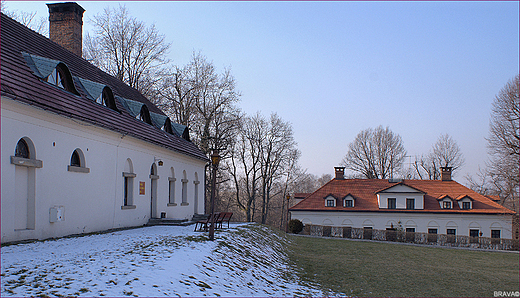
point(335, 68)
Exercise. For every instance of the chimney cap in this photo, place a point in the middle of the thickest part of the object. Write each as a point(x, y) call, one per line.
point(65, 6)
point(446, 173)
point(340, 173)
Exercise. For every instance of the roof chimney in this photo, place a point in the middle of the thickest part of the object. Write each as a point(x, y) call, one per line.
point(340, 173)
point(446, 173)
point(66, 24)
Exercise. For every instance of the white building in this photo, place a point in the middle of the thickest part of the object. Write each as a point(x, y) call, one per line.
point(80, 150)
point(428, 206)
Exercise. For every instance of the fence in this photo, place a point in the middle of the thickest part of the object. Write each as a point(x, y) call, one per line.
point(412, 237)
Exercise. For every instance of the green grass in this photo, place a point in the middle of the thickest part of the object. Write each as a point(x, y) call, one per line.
point(362, 268)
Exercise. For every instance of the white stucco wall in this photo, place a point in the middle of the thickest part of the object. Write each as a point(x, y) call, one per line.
point(90, 201)
point(420, 221)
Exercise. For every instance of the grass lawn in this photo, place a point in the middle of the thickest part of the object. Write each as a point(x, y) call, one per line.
point(362, 268)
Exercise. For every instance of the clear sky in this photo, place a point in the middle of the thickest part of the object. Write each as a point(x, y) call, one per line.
point(335, 68)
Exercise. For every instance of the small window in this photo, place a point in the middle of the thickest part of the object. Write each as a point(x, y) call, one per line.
point(474, 232)
point(127, 191)
point(466, 205)
point(128, 187)
point(410, 203)
point(171, 191)
point(432, 231)
point(451, 231)
point(77, 162)
point(446, 205)
point(144, 115)
point(22, 149)
point(495, 233)
point(57, 78)
point(349, 203)
point(75, 159)
point(410, 230)
point(391, 203)
point(330, 203)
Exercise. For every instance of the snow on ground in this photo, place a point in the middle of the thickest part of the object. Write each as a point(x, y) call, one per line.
point(245, 260)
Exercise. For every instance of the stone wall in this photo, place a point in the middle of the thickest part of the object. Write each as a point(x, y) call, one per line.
point(417, 238)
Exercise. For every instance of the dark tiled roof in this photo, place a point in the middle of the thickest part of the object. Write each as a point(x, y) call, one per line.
point(20, 82)
point(365, 191)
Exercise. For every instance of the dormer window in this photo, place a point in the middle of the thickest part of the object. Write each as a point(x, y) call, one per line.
point(56, 78)
point(446, 205)
point(348, 201)
point(465, 202)
point(144, 115)
point(330, 201)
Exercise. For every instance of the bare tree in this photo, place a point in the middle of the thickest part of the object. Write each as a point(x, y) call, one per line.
point(278, 154)
point(244, 164)
point(503, 143)
point(197, 96)
point(28, 19)
point(444, 153)
point(447, 152)
point(376, 153)
point(126, 48)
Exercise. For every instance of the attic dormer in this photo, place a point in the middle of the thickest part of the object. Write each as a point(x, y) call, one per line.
point(51, 71)
point(330, 201)
point(400, 196)
point(100, 93)
point(446, 202)
point(349, 201)
point(465, 202)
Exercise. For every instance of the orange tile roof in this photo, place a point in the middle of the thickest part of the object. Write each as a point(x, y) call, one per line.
point(365, 191)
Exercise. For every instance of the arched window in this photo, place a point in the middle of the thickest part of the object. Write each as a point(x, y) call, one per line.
point(61, 78)
point(144, 115)
point(22, 149)
point(128, 185)
point(74, 159)
point(25, 154)
point(77, 162)
point(106, 98)
point(167, 127)
point(56, 78)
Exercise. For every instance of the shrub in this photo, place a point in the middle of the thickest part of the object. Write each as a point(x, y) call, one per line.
point(295, 226)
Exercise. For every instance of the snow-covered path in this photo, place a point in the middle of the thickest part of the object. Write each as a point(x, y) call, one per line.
point(245, 260)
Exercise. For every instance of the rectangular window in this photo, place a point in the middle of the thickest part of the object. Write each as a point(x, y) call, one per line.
point(410, 230)
point(446, 205)
point(126, 199)
point(451, 231)
point(432, 231)
point(473, 232)
point(391, 203)
point(466, 205)
point(330, 203)
point(349, 203)
point(495, 233)
point(410, 203)
point(171, 188)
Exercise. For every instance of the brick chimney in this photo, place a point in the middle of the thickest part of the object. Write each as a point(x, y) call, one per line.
point(446, 173)
point(340, 173)
point(66, 24)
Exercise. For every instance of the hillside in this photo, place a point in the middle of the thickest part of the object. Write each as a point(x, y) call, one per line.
point(246, 260)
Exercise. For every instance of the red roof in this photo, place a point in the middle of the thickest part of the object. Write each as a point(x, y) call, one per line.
point(365, 191)
point(19, 83)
